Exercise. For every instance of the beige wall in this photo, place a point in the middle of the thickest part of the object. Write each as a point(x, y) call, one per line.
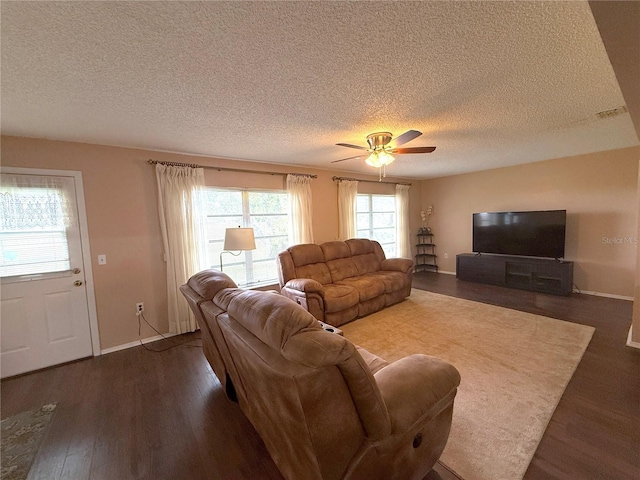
point(599, 192)
point(619, 26)
point(120, 196)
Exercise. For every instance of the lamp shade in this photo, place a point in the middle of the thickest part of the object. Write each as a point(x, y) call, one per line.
point(239, 239)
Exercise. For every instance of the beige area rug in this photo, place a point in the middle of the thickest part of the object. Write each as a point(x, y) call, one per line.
point(514, 368)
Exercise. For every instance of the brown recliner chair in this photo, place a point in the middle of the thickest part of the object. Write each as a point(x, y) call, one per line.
point(201, 288)
point(325, 408)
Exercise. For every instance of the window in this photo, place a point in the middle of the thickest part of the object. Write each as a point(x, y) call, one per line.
point(33, 234)
point(376, 219)
point(266, 213)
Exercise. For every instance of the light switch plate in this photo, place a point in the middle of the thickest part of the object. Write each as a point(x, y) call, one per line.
point(102, 259)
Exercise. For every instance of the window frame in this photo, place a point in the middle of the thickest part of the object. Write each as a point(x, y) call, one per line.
point(371, 213)
point(246, 215)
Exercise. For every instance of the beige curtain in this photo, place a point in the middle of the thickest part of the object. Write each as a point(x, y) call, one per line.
point(403, 231)
point(300, 209)
point(347, 194)
point(182, 222)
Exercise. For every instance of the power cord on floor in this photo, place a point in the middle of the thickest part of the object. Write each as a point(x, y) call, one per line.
point(181, 344)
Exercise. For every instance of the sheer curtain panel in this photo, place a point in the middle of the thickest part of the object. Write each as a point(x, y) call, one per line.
point(347, 194)
point(300, 211)
point(182, 222)
point(403, 230)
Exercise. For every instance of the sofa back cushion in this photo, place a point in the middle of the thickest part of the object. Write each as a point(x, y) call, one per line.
point(338, 258)
point(209, 282)
point(366, 254)
point(270, 317)
point(318, 349)
point(309, 262)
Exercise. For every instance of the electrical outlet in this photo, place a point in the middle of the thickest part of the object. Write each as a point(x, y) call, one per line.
point(139, 308)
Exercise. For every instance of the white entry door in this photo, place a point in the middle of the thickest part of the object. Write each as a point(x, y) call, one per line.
point(44, 304)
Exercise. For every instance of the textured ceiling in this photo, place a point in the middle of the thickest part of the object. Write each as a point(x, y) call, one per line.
point(489, 83)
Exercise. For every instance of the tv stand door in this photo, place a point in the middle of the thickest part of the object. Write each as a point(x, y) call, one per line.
point(481, 268)
point(536, 274)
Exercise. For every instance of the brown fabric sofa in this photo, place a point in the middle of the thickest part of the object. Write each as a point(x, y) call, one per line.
point(325, 408)
point(341, 281)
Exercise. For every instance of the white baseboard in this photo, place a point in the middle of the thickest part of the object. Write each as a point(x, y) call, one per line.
point(631, 343)
point(608, 295)
point(137, 343)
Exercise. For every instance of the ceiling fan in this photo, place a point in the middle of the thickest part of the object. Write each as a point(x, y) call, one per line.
point(381, 147)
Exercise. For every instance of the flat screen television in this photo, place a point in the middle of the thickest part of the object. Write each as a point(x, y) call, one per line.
point(531, 234)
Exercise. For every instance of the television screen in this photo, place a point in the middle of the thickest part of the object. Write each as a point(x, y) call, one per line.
point(533, 234)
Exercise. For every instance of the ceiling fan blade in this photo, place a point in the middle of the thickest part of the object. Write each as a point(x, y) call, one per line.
point(404, 138)
point(349, 158)
point(351, 146)
point(401, 151)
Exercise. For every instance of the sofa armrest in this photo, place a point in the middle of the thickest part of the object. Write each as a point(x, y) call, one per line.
point(416, 388)
point(305, 285)
point(403, 265)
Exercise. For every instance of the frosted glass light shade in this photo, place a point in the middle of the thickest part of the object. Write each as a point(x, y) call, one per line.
point(239, 239)
point(379, 158)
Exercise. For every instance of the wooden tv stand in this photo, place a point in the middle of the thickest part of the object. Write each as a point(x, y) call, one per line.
point(542, 275)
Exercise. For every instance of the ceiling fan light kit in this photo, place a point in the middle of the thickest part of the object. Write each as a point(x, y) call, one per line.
point(379, 158)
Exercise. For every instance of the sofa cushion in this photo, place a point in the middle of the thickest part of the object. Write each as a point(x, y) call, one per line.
point(339, 297)
point(338, 259)
point(315, 271)
point(336, 249)
point(271, 318)
point(306, 254)
point(393, 281)
point(359, 246)
point(368, 287)
point(209, 282)
point(366, 263)
point(341, 268)
point(317, 349)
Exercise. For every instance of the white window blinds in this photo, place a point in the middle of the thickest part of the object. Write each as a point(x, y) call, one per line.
point(34, 216)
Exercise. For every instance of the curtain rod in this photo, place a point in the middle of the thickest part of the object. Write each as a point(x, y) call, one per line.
point(227, 169)
point(369, 181)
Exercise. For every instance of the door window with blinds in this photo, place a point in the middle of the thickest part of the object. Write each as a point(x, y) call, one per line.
point(35, 215)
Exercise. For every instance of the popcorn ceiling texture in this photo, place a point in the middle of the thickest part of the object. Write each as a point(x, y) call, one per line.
point(489, 83)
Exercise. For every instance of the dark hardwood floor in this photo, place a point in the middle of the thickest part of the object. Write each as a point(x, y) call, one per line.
point(136, 414)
